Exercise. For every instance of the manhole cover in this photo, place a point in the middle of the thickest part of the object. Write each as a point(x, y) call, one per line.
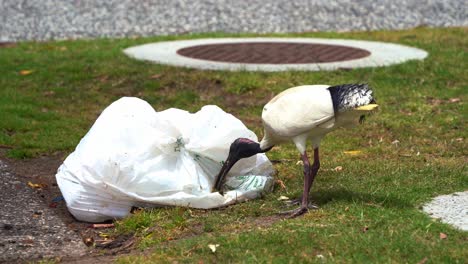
point(273, 52)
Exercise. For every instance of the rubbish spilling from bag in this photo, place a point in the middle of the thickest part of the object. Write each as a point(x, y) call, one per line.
point(135, 156)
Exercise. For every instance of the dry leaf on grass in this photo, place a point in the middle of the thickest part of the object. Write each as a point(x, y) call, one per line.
point(338, 168)
point(213, 247)
point(156, 76)
point(25, 72)
point(281, 184)
point(352, 152)
point(424, 260)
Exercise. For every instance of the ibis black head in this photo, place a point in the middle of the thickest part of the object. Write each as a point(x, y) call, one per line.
point(241, 148)
point(349, 96)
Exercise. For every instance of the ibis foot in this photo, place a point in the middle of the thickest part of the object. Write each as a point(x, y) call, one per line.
point(295, 213)
point(298, 201)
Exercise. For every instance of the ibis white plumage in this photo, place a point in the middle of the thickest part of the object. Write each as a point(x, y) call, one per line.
point(302, 113)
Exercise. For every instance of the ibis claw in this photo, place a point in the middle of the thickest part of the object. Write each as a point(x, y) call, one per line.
point(295, 213)
point(298, 201)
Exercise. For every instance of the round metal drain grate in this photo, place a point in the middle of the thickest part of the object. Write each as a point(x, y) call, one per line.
point(273, 52)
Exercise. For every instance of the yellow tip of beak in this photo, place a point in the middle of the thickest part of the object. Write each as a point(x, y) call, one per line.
point(369, 107)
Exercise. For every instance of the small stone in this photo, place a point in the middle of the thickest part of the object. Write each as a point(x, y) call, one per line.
point(7, 226)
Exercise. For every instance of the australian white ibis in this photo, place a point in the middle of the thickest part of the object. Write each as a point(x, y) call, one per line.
point(300, 113)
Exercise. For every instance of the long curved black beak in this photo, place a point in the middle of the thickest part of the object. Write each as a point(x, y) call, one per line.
point(220, 179)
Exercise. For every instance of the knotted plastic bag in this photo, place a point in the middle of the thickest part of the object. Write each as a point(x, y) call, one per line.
point(135, 156)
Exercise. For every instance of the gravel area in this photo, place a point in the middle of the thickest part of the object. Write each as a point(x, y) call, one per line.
point(70, 19)
point(451, 209)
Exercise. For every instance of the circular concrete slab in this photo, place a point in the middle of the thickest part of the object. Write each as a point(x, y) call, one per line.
point(275, 54)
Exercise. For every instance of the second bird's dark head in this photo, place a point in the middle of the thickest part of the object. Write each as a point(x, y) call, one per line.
point(241, 148)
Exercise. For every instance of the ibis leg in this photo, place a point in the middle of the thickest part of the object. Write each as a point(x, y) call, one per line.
point(309, 175)
point(313, 170)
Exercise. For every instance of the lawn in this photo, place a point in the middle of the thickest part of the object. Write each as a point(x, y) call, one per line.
point(413, 149)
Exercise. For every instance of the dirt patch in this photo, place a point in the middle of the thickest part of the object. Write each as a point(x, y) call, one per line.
point(267, 221)
point(7, 45)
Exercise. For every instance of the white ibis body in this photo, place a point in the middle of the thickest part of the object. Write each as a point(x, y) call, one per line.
point(302, 113)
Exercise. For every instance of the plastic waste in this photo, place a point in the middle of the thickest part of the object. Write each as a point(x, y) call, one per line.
point(135, 156)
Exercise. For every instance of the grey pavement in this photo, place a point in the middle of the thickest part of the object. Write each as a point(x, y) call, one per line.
point(29, 229)
point(70, 19)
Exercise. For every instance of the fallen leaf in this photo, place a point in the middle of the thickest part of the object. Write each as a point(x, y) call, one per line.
point(434, 101)
point(454, 100)
point(283, 198)
point(28, 240)
point(424, 260)
point(352, 152)
point(88, 241)
point(101, 226)
point(405, 155)
point(156, 76)
point(25, 72)
point(337, 168)
point(104, 235)
point(320, 256)
point(442, 236)
point(37, 214)
point(281, 184)
point(37, 185)
point(299, 162)
point(213, 247)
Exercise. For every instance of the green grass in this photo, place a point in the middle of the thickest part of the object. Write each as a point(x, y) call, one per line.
point(369, 210)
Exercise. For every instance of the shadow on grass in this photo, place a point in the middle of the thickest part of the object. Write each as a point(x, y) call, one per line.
point(326, 196)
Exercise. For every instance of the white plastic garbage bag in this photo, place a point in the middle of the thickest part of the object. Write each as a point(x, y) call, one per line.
point(134, 155)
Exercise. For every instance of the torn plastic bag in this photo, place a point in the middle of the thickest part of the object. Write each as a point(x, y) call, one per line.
point(134, 156)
